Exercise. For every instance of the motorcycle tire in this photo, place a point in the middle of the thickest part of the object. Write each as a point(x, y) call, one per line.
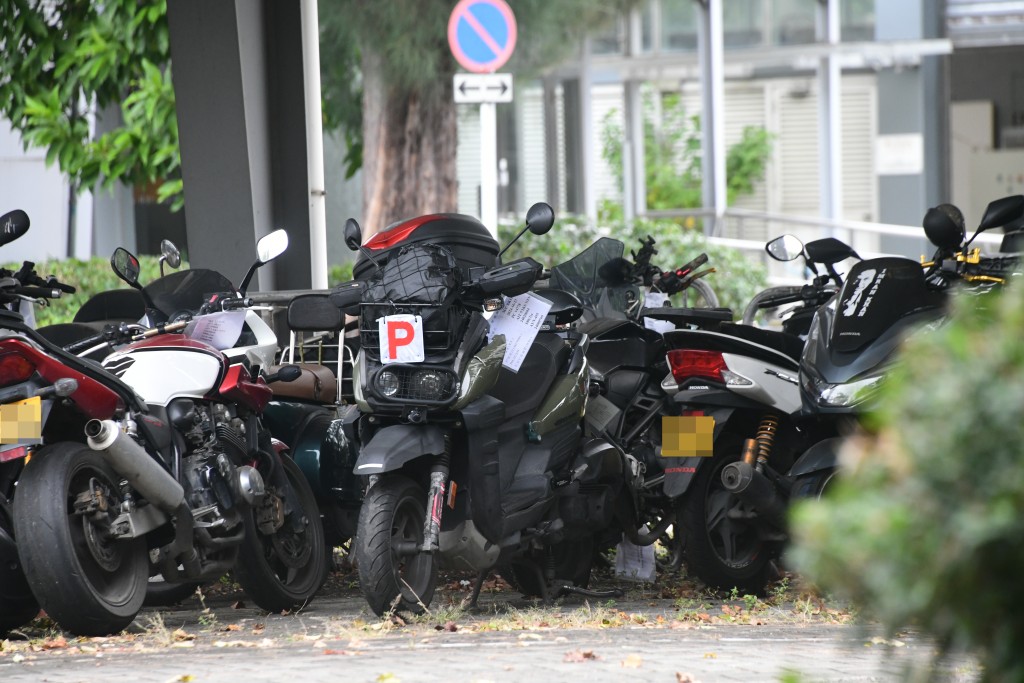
point(699, 295)
point(720, 548)
point(283, 571)
point(393, 513)
point(17, 604)
point(15, 613)
point(814, 485)
point(89, 585)
point(571, 561)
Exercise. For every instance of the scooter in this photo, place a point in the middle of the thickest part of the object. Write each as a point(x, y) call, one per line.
point(470, 463)
point(168, 468)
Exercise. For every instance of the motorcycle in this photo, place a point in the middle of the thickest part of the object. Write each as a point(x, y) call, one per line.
point(469, 463)
point(156, 468)
point(17, 604)
point(776, 419)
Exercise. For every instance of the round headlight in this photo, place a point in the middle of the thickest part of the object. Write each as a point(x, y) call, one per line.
point(388, 383)
point(430, 384)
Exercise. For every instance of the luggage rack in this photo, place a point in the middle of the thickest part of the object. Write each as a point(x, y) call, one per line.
point(327, 349)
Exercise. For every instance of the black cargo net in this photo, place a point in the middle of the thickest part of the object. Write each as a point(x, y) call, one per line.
point(423, 280)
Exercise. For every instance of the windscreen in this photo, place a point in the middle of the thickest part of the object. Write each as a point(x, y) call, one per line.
point(595, 276)
point(877, 293)
point(186, 290)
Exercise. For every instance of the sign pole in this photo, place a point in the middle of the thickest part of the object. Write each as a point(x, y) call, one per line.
point(489, 167)
point(482, 36)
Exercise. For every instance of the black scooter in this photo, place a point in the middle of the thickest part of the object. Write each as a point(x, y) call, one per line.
point(469, 463)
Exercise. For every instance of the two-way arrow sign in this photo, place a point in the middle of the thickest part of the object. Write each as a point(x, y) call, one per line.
point(480, 88)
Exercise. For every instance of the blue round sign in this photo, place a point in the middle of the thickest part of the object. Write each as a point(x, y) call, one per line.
point(482, 34)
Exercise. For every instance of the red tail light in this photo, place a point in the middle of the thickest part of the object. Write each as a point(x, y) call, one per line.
point(686, 363)
point(14, 368)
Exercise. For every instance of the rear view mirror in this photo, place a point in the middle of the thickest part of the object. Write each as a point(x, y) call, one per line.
point(314, 313)
point(540, 218)
point(170, 253)
point(126, 265)
point(13, 225)
point(785, 248)
point(271, 246)
point(829, 251)
point(1002, 211)
point(353, 235)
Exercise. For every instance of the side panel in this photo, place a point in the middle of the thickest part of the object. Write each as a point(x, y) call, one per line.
point(774, 386)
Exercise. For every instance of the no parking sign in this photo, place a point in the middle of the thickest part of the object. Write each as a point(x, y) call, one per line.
point(482, 34)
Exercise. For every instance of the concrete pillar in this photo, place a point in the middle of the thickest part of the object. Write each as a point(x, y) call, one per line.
point(241, 122)
point(912, 102)
point(710, 49)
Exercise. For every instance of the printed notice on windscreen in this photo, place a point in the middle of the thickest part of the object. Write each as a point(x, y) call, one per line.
point(519, 321)
point(220, 330)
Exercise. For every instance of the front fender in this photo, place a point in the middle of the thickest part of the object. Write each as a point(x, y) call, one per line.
point(823, 455)
point(391, 447)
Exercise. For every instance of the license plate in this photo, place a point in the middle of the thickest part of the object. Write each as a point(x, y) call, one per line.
point(21, 422)
point(401, 339)
point(687, 436)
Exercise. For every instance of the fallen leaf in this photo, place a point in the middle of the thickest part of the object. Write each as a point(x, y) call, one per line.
point(580, 656)
point(632, 662)
point(685, 678)
point(388, 678)
point(232, 627)
point(530, 636)
point(183, 678)
point(347, 653)
point(55, 643)
point(710, 655)
point(180, 635)
point(451, 626)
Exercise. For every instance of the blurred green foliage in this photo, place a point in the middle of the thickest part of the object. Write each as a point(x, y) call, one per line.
point(61, 54)
point(736, 278)
point(672, 156)
point(926, 525)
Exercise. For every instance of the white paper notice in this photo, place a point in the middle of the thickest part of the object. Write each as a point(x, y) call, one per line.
point(519, 320)
point(220, 330)
point(655, 300)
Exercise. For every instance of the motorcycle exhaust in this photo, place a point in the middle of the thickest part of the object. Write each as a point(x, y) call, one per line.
point(131, 461)
point(754, 489)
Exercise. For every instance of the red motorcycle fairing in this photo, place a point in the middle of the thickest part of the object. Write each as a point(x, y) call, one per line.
point(239, 387)
point(92, 397)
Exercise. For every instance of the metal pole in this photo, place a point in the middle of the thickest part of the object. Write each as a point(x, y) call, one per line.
point(830, 153)
point(314, 144)
point(489, 167)
point(710, 48)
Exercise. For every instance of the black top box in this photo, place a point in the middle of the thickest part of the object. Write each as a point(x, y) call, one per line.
point(470, 242)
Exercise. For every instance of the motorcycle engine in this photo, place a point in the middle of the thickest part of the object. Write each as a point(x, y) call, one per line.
point(216, 487)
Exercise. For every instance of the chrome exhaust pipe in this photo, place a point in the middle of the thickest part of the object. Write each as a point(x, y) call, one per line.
point(131, 461)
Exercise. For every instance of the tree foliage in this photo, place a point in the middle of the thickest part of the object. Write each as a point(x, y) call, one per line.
point(411, 37)
point(61, 57)
point(925, 527)
point(672, 155)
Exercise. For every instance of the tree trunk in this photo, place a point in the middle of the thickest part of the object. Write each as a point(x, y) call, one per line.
point(410, 140)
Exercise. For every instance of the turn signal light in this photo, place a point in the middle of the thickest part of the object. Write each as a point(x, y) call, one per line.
point(687, 363)
point(14, 368)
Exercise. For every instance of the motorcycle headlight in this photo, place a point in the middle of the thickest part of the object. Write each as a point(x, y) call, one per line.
point(388, 383)
point(849, 394)
point(431, 384)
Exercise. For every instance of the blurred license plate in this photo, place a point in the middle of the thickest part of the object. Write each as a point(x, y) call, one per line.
point(687, 436)
point(21, 422)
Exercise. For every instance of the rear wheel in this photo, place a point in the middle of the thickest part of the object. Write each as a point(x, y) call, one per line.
point(393, 573)
point(699, 294)
point(722, 543)
point(283, 570)
point(89, 582)
point(17, 604)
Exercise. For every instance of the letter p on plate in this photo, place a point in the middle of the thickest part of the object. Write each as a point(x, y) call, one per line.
point(401, 339)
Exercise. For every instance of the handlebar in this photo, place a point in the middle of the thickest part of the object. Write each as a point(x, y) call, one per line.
point(37, 292)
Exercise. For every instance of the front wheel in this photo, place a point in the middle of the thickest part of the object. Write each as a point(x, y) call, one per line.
point(393, 572)
point(722, 543)
point(283, 570)
point(89, 582)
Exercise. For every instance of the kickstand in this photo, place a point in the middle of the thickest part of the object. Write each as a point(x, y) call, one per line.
point(567, 589)
point(477, 585)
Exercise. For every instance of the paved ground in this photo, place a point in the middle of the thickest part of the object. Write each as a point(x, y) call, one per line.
point(644, 637)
